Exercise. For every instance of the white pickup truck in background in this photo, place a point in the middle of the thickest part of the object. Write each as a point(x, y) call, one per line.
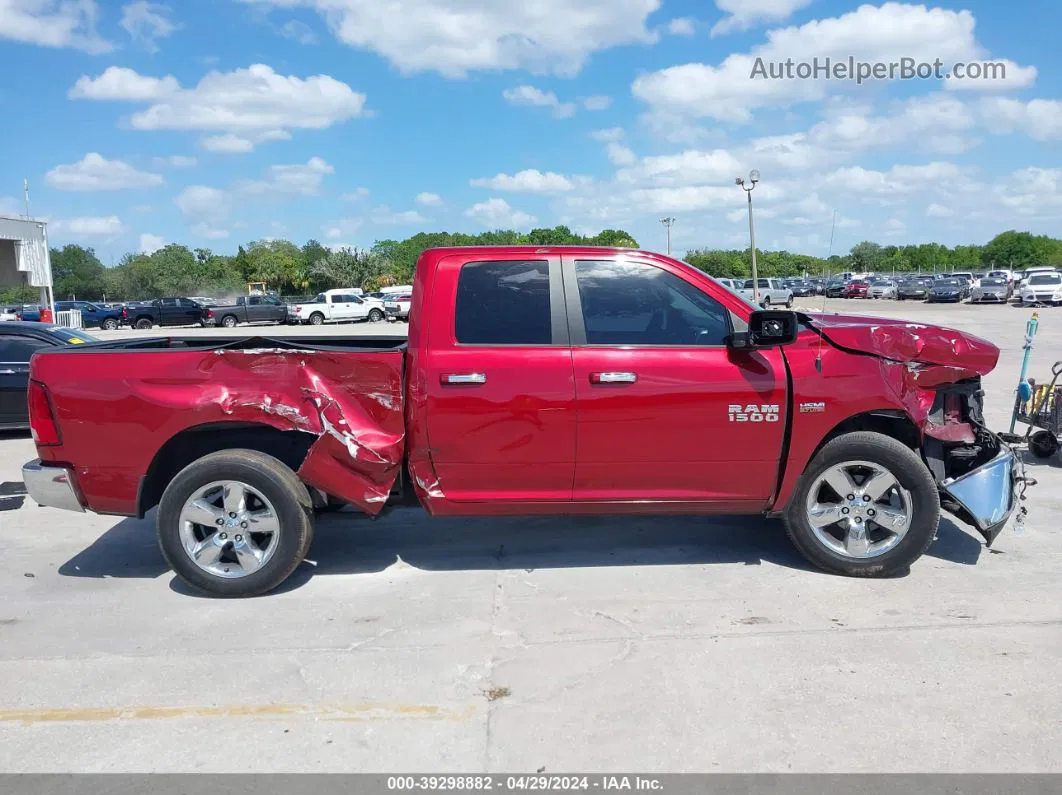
point(773, 292)
point(338, 306)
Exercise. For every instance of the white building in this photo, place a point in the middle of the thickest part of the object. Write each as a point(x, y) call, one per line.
point(24, 257)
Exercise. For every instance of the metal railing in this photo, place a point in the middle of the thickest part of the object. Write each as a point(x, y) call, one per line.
point(70, 318)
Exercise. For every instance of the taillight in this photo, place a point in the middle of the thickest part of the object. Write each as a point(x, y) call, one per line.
point(298, 309)
point(210, 313)
point(41, 416)
point(125, 313)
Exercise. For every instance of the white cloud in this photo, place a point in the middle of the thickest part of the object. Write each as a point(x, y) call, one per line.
point(149, 243)
point(610, 134)
point(120, 83)
point(1008, 77)
point(94, 172)
point(620, 155)
point(1032, 193)
point(728, 92)
point(429, 199)
point(253, 104)
point(529, 95)
point(355, 195)
point(682, 26)
point(528, 181)
point(299, 178)
point(90, 226)
point(298, 31)
point(202, 200)
point(544, 37)
point(175, 161)
point(597, 103)
point(935, 210)
point(383, 215)
point(228, 143)
point(894, 226)
point(691, 167)
point(53, 23)
point(743, 14)
point(341, 228)
point(146, 23)
point(203, 229)
point(1040, 119)
point(497, 214)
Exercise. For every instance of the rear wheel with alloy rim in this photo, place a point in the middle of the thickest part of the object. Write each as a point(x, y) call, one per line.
point(866, 506)
point(235, 523)
point(375, 316)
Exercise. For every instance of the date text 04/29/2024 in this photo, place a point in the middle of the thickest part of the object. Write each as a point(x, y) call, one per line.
point(537, 782)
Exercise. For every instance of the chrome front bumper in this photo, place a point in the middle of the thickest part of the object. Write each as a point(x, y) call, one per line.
point(51, 486)
point(988, 494)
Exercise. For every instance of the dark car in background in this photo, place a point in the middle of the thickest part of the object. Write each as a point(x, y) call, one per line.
point(835, 288)
point(168, 312)
point(19, 340)
point(801, 288)
point(92, 315)
point(251, 309)
point(949, 290)
point(915, 288)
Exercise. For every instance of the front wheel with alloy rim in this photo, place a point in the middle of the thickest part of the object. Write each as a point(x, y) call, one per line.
point(866, 506)
point(235, 523)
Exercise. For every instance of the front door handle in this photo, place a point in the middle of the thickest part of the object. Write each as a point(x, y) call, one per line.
point(613, 378)
point(464, 378)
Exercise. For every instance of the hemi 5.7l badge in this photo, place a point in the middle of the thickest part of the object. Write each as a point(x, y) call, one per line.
point(812, 408)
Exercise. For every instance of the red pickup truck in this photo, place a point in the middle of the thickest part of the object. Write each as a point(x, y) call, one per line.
point(534, 381)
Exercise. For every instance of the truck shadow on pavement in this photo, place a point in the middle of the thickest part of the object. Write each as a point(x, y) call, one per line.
point(348, 543)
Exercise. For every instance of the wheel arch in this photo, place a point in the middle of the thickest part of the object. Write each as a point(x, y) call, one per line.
point(191, 444)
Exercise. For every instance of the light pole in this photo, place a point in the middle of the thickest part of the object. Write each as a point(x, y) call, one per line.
point(754, 177)
point(667, 222)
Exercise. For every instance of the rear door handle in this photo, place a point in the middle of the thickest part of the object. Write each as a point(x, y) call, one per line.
point(613, 378)
point(464, 378)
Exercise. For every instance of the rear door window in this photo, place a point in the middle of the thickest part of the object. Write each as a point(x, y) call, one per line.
point(503, 303)
point(16, 348)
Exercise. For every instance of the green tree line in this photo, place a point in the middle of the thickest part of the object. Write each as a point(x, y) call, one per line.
point(290, 269)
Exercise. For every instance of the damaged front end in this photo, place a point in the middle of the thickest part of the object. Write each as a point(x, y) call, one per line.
point(979, 476)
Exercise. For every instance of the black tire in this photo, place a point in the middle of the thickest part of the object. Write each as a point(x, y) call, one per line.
point(316, 319)
point(375, 315)
point(789, 303)
point(144, 323)
point(767, 302)
point(110, 324)
point(274, 480)
point(1043, 444)
point(229, 321)
point(913, 475)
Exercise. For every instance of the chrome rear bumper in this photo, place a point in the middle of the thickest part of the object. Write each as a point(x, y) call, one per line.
point(51, 486)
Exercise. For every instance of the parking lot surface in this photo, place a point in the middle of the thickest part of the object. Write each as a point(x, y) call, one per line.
point(560, 644)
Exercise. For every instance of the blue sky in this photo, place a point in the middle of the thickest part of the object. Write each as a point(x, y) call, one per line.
point(215, 123)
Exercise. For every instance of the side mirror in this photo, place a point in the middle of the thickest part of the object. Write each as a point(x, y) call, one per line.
point(767, 328)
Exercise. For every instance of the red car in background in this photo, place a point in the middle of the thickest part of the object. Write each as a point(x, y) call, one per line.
point(856, 289)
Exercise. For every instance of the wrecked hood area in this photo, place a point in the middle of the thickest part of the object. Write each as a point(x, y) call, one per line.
point(351, 400)
point(962, 355)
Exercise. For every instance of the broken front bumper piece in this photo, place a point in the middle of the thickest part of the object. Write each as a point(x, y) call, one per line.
point(987, 496)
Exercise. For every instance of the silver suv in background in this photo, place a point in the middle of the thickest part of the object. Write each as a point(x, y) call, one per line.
point(773, 292)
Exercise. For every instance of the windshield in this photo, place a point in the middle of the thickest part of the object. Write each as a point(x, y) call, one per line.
point(1045, 278)
point(993, 282)
point(71, 337)
point(946, 283)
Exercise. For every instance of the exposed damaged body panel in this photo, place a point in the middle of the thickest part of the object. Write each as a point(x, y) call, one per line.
point(351, 400)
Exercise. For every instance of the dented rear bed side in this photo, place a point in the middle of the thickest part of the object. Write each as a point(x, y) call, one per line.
point(113, 422)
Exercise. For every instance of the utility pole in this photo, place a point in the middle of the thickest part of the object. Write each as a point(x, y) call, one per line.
point(25, 192)
point(667, 222)
point(754, 177)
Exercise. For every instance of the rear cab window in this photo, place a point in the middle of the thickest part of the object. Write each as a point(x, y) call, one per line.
point(503, 303)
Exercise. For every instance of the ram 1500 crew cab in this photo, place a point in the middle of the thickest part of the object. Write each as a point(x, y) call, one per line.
point(534, 381)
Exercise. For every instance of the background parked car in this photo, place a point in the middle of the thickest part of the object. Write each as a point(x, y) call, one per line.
point(772, 292)
point(168, 312)
point(18, 342)
point(835, 288)
point(857, 288)
point(916, 288)
point(251, 309)
point(882, 288)
point(1028, 273)
point(801, 288)
point(1042, 288)
point(9, 313)
point(338, 306)
point(991, 288)
point(944, 290)
point(92, 315)
point(397, 307)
